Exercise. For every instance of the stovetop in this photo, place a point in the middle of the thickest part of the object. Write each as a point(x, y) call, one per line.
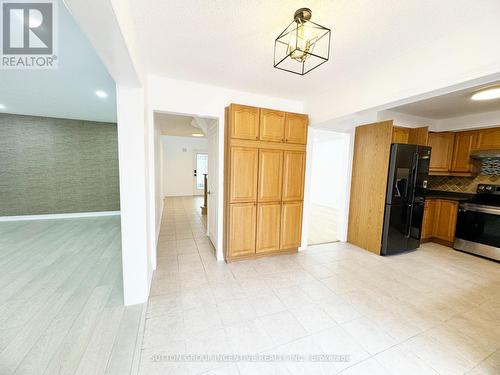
point(487, 195)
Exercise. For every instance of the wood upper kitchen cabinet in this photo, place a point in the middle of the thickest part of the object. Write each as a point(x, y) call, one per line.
point(270, 175)
point(291, 225)
point(242, 224)
point(400, 134)
point(268, 227)
point(488, 139)
point(445, 220)
point(244, 165)
point(272, 125)
point(296, 128)
point(442, 151)
point(244, 122)
point(464, 144)
point(419, 136)
point(294, 165)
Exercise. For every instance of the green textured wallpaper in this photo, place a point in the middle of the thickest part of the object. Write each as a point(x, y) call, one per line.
point(50, 165)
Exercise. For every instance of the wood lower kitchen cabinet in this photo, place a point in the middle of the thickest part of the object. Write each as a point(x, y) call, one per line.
point(264, 182)
point(428, 220)
point(439, 222)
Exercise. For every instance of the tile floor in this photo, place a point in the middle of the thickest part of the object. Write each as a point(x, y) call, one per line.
point(323, 223)
point(432, 311)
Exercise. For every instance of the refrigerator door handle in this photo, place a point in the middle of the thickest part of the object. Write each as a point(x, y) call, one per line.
point(412, 201)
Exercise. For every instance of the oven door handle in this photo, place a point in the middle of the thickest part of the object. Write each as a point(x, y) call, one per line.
point(480, 208)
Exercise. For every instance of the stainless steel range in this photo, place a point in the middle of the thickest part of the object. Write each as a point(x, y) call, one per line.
point(478, 223)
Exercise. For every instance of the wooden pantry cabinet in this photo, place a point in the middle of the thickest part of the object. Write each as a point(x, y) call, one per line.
point(265, 155)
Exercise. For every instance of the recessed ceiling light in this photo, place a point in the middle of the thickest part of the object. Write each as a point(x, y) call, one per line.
point(2, 107)
point(101, 94)
point(487, 94)
point(197, 135)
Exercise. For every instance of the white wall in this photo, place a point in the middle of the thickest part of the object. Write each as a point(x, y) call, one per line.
point(408, 121)
point(191, 98)
point(479, 120)
point(137, 270)
point(178, 164)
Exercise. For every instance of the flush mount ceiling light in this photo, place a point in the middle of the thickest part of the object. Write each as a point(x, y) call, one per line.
point(487, 94)
point(303, 45)
point(197, 135)
point(101, 94)
point(2, 107)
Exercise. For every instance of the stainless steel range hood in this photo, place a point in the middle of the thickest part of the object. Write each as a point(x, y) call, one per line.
point(485, 154)
point(486, 162)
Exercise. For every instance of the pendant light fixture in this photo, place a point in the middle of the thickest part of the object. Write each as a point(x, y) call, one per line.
point(303, 45)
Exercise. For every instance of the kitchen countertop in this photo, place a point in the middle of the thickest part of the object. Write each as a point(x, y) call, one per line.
point(449, 195)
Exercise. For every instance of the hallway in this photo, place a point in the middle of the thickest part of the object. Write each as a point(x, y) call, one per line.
point(431, 311)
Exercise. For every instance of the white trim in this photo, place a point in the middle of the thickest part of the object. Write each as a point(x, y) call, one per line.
point(59, 216)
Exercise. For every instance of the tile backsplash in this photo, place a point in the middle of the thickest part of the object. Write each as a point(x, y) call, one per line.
point(460, 184)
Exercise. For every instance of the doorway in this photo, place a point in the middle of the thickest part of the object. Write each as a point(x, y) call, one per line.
point(329, 186)
point(187, 162)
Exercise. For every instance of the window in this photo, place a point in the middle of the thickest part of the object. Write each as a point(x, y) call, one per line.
point(201, 169)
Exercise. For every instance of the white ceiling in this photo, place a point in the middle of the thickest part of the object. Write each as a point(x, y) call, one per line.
point(66, 92)
point(230, 43)
point(451, 105)
point(177, 125)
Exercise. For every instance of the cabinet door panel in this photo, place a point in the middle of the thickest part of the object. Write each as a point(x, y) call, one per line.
point(243, 181)
point(400, 135)
point(268, 227)
point(446, 220)
point(244, 122)
point(464, 143)
point(242, 224)
point(270, 175)
point(293, 175)
point(296, 128)
point(272, 125)
point(428, 220)
point(291, 225)
point(442, 151)
point(488, 139)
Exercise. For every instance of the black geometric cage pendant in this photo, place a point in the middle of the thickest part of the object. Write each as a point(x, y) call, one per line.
point(303, 45)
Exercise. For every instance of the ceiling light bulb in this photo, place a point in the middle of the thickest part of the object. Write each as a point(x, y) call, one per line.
point(197, 135)
point(487, 94)
point(301, 43)
point(101, 94)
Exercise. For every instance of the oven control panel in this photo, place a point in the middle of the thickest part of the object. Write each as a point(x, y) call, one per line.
point(488, 189)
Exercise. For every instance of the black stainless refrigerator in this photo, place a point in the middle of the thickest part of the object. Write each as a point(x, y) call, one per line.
point(405, 197)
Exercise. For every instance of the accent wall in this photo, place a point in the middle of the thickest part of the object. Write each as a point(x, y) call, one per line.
point(52, 166)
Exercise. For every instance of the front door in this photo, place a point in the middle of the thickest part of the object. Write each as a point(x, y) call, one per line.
point(200, 169)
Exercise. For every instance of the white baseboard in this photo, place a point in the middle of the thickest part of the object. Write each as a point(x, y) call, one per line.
point(59, 216)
